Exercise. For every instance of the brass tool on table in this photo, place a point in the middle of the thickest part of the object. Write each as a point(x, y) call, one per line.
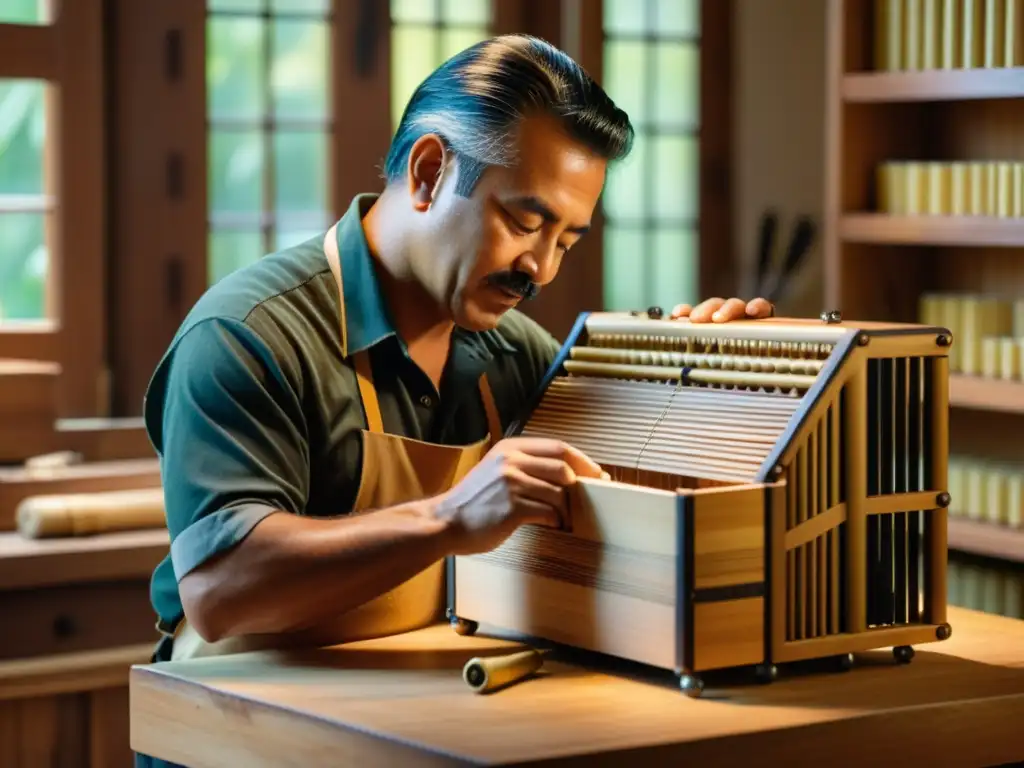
point(489, 673)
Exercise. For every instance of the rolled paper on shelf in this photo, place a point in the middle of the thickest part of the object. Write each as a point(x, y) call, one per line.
point(915, 189)
point(1003, 190)
point(976, 189)
point(992, 189)
point(1018, 318)
point(995, 496)
point(1018, 188)
point(929, 311)
point(1014, 499)
point(84, 514)
point(955, 483)
point(1013, 599)
point(490, 673)
point(990, 363)
point(1009, 358)
point(960, 196)
point(970, 340)
point(939, 189)
point(952, 318)
point(976, 490)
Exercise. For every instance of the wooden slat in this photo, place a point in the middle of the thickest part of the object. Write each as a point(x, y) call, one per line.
point(79, 162)
point(30, 340)
point(70, 672)
point(881, 228)
point(159, 118)
point(29, 563)
point(29, 51)
point(934, 85)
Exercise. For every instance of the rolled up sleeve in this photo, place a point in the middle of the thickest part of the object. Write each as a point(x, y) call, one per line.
point(225, 417)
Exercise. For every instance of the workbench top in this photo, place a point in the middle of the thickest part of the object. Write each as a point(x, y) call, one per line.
point(402, 701)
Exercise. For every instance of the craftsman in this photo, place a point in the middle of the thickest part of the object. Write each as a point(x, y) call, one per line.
point(330, 419)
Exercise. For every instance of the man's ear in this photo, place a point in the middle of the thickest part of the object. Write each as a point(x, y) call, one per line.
point(427, 162)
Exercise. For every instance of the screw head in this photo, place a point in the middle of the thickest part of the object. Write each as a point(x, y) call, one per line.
point(943, 631)
point(831, 316)
point(943, 499)
point(943, 340)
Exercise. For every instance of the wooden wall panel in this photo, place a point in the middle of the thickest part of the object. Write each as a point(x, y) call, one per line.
point(159, 195)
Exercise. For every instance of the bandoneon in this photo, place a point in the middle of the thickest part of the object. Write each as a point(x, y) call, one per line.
point(778, 493)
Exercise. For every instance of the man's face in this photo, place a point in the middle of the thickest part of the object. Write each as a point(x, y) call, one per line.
point(479, 254)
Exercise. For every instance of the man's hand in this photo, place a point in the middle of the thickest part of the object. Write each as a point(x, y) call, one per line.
point(722, 311)
point(520, 480)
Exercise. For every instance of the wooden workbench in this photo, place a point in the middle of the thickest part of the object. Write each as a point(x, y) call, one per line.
point(401, 701)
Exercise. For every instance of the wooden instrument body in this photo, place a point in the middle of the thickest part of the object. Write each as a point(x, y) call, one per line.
point(822, 538)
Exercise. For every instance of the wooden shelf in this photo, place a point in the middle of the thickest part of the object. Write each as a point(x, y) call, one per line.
point(983, 394)
point(987, 539)
point(931, 230)
point(934, 85)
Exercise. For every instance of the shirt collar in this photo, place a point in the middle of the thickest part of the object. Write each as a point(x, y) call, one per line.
point(365, 317)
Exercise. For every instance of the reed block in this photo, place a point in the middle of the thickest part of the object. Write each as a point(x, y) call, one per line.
point(19, 483)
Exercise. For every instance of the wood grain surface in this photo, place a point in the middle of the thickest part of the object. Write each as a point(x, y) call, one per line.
point(401, 701)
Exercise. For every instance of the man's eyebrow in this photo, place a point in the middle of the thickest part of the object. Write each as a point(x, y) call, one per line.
point(538, 206)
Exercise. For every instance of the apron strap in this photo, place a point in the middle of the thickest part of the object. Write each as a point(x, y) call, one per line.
point(364, 372)
point(493, 419)
point(367, 392)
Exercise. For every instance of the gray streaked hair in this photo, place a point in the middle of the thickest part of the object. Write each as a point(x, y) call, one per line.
point(475, 101)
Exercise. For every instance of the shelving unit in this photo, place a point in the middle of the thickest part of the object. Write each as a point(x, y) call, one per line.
point(878, 266)
point(984, 394)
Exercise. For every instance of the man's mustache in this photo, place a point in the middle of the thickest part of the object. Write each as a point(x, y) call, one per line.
point(518, 283)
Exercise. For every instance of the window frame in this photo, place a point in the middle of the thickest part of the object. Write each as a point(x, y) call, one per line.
point(67, 53)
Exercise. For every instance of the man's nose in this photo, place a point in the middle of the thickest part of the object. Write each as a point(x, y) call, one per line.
point(541, 263)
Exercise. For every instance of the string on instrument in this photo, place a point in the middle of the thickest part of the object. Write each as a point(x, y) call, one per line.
point(657, 422)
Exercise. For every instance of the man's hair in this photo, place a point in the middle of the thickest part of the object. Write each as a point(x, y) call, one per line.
point(475, 101)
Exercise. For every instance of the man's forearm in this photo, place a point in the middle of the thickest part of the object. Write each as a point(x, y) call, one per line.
point(291, 572)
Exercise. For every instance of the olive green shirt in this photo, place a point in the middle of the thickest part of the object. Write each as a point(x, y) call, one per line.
point(253, 408)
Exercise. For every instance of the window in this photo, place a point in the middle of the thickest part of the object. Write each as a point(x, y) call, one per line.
point(25, 12)
point(650, 205)
point(426, 33)
point(270, 127)
point(25, 205)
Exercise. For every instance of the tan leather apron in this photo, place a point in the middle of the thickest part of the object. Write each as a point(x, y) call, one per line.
point(395, 470)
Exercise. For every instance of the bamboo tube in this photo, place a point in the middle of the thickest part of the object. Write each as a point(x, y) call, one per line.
point(696, 359)
point(700, 375)
point(756, 330)
point(490, 673)
point(82, 514)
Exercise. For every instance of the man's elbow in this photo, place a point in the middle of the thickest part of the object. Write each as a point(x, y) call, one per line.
point(204, 608)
